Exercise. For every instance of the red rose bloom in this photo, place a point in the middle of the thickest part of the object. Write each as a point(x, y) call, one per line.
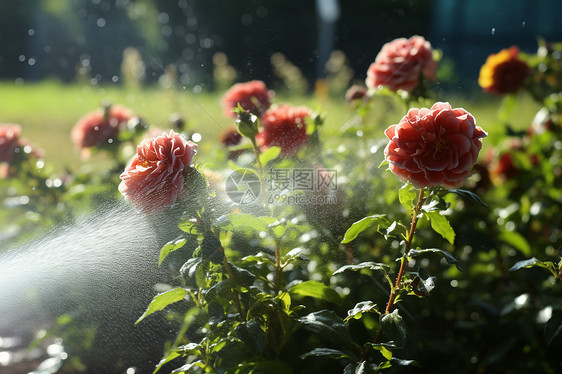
point(252, 96)
point(9, 141)
point(154, 177)
point(503, 72)
point(400, 63)
point(95, 128)
point(432, 147)
point(284, 126)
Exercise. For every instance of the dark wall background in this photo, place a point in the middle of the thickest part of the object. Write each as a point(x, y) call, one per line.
point(53, 38)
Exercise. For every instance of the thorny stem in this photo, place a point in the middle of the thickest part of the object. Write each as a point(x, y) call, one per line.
point(396, 288)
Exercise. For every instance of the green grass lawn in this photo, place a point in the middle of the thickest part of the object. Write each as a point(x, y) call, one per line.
point(47, 111)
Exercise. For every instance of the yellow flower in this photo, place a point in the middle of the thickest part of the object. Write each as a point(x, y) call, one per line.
point(503, 72)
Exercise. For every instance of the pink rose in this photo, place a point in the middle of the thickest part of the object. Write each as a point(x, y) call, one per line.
point(400, 63)
point(284, 126)
point(432, 147)
point(97, 127)
point(154, 177)
point(9, 141)
point(252, 96)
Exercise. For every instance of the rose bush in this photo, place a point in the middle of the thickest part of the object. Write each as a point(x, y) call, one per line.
point(432, 147)
point(154, 178)
point(252, 96)
point(399, 64)
point(284, 126)
point(95, 128)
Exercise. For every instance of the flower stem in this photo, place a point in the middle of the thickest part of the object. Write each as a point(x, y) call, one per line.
point(278, 269)
point(394, 291)
point(232, 278)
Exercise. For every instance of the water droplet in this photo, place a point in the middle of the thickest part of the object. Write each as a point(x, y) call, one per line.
point(523, 24)
point(30, 32)
point(115, 79)
point(100, 22)
point(40, 164)
point(196, 137)
point(31, 61)
point(493, 31)
point(21, 58)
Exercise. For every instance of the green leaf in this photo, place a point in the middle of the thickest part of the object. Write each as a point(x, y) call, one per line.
point(394, 328)
point(360, 368)
point(247, 221)
point(162, 300)
point(441, 225)
point(326, 352)
point(516, 240)
point(183, 369)
point(170, 247)
point(386, 353)
point(252, 335)
point(171, 356)
point(470, 196)
point(360, 308)
point(269, 154)
point(363, 224)
point(188, 226)
point(451, 260)
point(331, 327)
point(534, 262)
point(316, 290)
point(364, 265)
point(407, 196)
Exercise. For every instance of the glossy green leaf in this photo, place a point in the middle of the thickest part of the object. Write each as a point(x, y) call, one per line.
point(170, 247)
point(364, 265)
point(252, 335)
point(316, 290)
point(394, 328)
point(441, 225)
point(162, 300)
point(386, 353)
point(184, 369)
point(360, 369)
point(269, 154)
point(408, 196)
point(247, 221)
point(363, 224)
point(451, 260)
point(516, 240)
point(331, 327)
point(171, 356)
point(534, 262)
point(470, 196)
point(326, 352)
point(360, 308)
